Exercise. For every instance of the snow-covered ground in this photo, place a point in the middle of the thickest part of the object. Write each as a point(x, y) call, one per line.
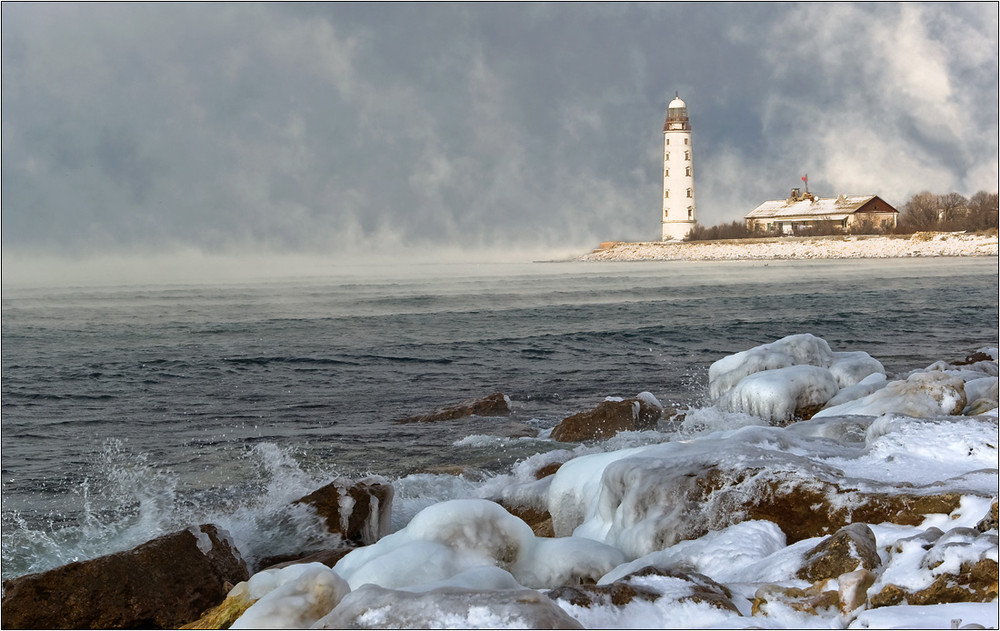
point(872, 514)
point(920, 244)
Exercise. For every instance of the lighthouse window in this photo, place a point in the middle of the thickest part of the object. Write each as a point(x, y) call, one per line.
point(690, 194)
point(685, 141)
point(687, 170)
point(690, 212)
point(666, 193)
point(668, 141)
point(687, 155)
point(667, 155)
point(666, 172)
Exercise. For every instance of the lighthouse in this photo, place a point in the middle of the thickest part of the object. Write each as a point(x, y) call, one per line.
point(678, 173)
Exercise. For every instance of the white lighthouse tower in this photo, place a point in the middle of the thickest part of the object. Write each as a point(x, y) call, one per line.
point(678, 173)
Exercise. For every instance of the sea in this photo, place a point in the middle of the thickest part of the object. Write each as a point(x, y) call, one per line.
point(129, 411)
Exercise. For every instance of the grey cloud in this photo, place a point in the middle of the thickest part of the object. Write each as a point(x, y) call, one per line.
point(322, 127)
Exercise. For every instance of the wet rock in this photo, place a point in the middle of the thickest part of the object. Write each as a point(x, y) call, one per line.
point(360, 511)
point(539, 520)
point(974, 358)
point(608, 419)
point(851, 548)
point(641, 585)
point(163, 583)
point(547, 470)
point(328, 558)
point(496, 404)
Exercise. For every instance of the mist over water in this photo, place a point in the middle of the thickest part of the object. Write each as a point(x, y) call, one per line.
point(133, 410)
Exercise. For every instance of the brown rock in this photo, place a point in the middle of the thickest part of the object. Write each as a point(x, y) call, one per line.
point(495, 404)
point(803, 509)
point(360, 511)
point(851, 548)
point(162, 583)
point(973, 358)
point(812, 601)
point(617, 594)
point(223, 616)
point(539, 520)
point(550, 469)
point(328, 558)
point(606, 420)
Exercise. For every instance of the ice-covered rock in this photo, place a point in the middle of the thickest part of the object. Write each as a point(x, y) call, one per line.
point(939, 567)
point(793, 350)
point(849, 368)
point(455, 536)
point(781, 394)
point(359, 510)
point(374, 607)
point(294, 597)
point(921, 395)
point(647, 499)
point(863, 388)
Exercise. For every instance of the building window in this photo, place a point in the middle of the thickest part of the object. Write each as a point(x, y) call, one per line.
point(690, 194)
point(687, 171)
point(690, 213)
point(666, 172)
point(666, 155)
point(685, 141)
point(668, 141)
point(666, 193)
point(687, 155)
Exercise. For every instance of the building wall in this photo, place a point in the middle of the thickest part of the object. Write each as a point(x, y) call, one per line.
point(678, 184)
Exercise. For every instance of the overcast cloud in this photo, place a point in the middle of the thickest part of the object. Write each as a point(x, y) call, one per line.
point(322, 128)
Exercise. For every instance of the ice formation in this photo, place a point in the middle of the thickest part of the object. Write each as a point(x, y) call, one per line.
point(627, 514)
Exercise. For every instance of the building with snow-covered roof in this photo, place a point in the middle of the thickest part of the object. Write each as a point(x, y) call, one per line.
point(806, 211)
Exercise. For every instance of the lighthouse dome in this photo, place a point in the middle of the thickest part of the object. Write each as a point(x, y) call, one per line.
point(677, 102)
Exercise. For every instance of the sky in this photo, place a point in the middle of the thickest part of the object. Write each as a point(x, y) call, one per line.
point(145, 130)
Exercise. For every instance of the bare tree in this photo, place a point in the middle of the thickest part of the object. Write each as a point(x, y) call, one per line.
point(921, 212)
point(952, 210)
point(983, 211)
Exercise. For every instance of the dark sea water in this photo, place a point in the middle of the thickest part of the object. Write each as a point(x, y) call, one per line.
point(130, 411)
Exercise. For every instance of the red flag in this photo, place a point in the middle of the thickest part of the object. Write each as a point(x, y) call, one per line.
point(805, 178)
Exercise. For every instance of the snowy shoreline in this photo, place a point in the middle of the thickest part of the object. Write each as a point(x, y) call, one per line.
point(898, 474)
point(921, 244)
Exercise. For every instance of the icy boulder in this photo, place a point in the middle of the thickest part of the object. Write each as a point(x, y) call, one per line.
point(456, 536)
point(374, 607)
point(793, 350)
point(782, 393)
point(851, 368)
point(293, 597)
point(921, 395)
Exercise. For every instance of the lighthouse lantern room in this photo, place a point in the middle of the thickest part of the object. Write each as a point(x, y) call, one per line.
point(678, 173)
